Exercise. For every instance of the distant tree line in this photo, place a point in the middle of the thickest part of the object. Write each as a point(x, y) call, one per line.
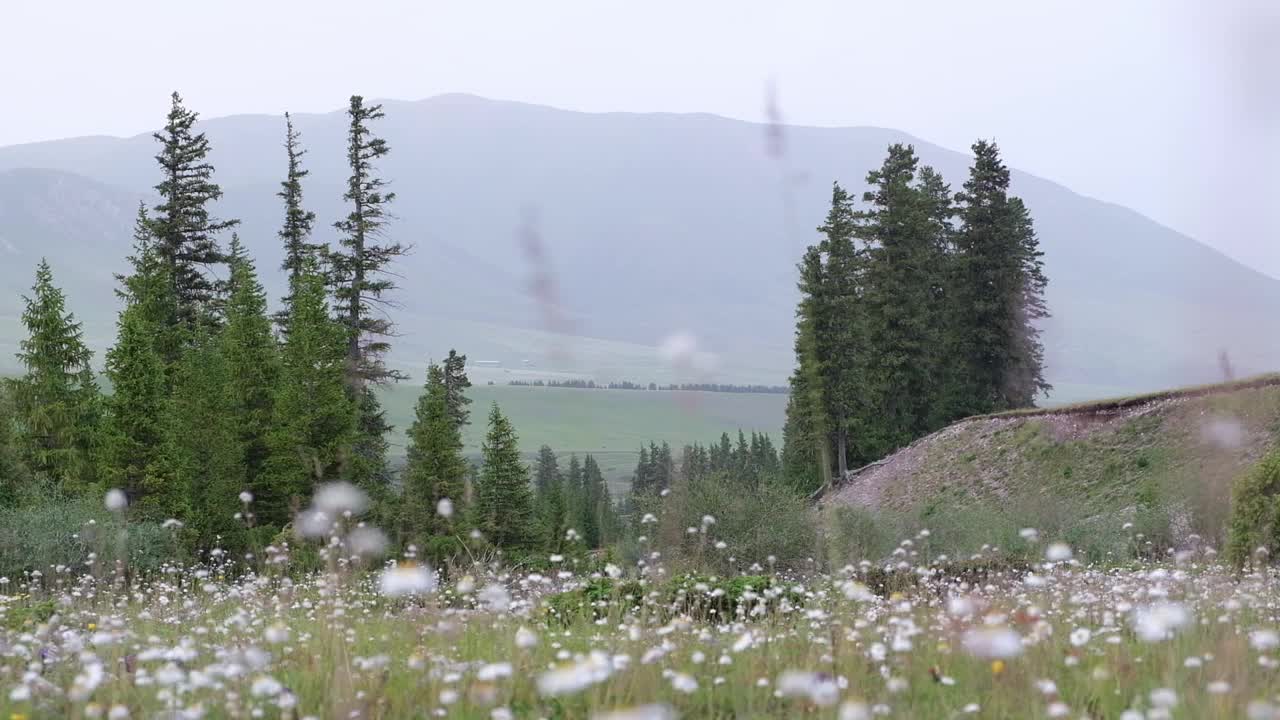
point(625, 385)
point(917, 307)
point(217, 405)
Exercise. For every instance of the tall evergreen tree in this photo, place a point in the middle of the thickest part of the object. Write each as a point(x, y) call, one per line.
point(252, 364)
point(185, 232)
point(456, 384)
point(435, 468)
point(898, 294)
point(56, 398)
point(203, 458)
point(313, 423)
point(644, 480)
point(575, 496)
point(594, 497)
point(998, 293)
point(839, 335)
point(295, 233)
point(806, 450)
point(134, 431)
point(148, 292)
point(14, 477)
point(361, 278)
point(360, 264)
point(504, 503)
point(549, 493)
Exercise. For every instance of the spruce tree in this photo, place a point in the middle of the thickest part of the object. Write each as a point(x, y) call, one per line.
point(360, 265)
point(15, 480)
point(575, 497)
point(898, 291)
point(185, 231)
point(148, 292)
point(361, 278)
point(295, 233)
point(253, 364)
point(550, 496)
point(134, 429)
point(56, 398)
point(998, 293)
point(435, 469)
point(597, 518)
point(806, 451)
point(313, 424)
point(203, 457)
point(840, 329)
point(456, 384)
point(504, 503)
point(643, 481)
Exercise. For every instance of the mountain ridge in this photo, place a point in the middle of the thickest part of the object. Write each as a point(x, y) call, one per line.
point(656, 223)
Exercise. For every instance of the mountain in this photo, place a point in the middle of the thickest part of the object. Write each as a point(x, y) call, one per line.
point(649, 224)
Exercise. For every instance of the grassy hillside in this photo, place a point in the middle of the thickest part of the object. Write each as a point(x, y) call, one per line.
point(1165, 462)
point(610, 424)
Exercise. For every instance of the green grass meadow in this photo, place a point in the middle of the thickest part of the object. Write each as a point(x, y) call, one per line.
point(609, 424)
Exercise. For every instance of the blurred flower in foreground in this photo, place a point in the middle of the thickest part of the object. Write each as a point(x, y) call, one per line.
point(993, 642)
point(116, 500)
point(407, 580)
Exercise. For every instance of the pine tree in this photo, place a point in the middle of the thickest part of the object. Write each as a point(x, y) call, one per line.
point(361, 278)
point(435, 468)
point(456, 384)
point(148, 293)
point(998, 293)
point(806, 451)
point(185, 232)
point(295, 234)
point(643, 481)
point(898, 293)
point(664, 466)
point(504, 503)
point(15, 480)
point(598, 520)
point(1025, 379)
point(253, 364)
point(203, 458)
point(360, 266)
point(313, 423)
point(550, 496)
point(134, 428)
point(56, 399)
point(839, 335)
point(575, 497)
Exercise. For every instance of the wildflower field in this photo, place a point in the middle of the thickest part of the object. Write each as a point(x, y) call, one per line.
point(371, 637)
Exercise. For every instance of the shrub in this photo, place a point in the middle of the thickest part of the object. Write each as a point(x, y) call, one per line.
point(1255, 511)
point(65, 533)
point(755, 524)
point(594, 599)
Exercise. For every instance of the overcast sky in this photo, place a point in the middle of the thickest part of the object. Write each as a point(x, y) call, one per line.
point(1171, 107)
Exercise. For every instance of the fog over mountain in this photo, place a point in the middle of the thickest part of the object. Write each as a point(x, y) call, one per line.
point(649, 225)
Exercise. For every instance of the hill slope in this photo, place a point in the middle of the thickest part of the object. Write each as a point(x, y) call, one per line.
point(651, 224)
point(1179, 450)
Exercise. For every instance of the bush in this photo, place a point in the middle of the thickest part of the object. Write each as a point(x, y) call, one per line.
point(593, 599)
point(1255, 511)
point(724, 599)
point(755, 525)
point(65, 533)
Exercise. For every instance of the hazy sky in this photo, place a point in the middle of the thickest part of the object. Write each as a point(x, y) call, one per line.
point(1171, 107)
